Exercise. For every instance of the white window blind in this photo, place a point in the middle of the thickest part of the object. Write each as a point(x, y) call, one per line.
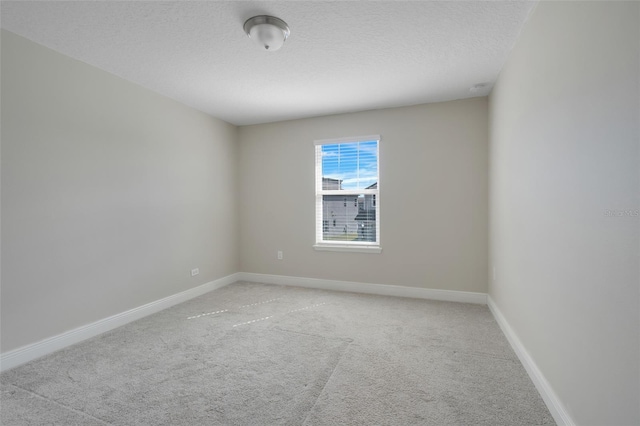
point(347, 192)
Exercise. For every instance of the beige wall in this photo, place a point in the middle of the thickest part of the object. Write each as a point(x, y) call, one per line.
point(433, 197)
point(110, 195)
point(564, 137)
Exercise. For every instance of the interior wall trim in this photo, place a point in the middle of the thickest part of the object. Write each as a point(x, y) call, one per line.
point(49, 345)
point(550, 398)
point(379, 289)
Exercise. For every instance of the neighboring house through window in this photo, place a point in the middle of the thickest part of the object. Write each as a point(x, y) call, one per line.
point(347, 169)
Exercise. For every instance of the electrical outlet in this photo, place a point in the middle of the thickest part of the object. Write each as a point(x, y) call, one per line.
point(195, 272)
point(280, 257)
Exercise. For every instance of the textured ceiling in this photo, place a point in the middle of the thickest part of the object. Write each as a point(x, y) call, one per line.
point(342, 56)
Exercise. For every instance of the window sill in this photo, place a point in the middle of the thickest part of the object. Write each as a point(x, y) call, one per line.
point(348, 248)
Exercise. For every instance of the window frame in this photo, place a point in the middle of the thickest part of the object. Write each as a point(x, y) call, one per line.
point(336, 245)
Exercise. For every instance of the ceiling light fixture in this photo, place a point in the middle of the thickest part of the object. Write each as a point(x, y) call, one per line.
point(268, 31)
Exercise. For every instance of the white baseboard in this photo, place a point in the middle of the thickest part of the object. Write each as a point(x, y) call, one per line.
point(30, 352)
point(379, 289)
point(36, 350)
point(555, 406)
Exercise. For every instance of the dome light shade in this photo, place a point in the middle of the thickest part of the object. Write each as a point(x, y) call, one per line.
point(268, 32)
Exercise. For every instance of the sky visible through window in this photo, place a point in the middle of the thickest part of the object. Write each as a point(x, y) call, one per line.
point(355, 163)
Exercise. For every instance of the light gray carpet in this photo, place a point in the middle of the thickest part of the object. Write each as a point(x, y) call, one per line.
point(256, 354)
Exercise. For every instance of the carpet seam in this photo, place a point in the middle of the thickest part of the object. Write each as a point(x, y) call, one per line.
point(484, 355)
point(42, 397)
point(201, 372)
point(325, 383)
point(346, 340)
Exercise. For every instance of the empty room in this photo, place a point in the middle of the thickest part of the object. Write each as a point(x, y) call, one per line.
point(320, 213)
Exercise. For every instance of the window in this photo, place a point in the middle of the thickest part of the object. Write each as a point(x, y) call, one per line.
point(348, 169)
